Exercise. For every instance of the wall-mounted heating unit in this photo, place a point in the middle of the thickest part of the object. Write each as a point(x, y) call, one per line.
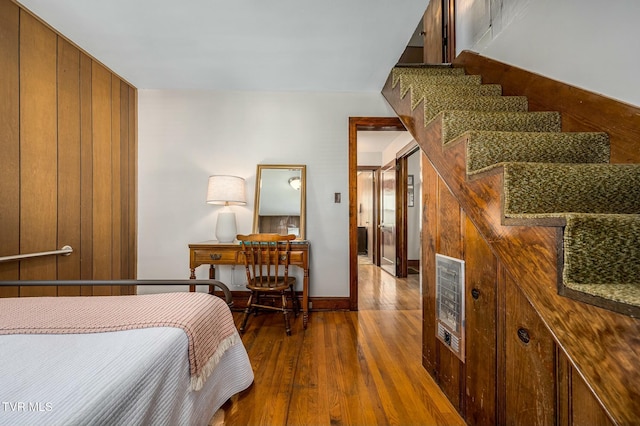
point(450, 303)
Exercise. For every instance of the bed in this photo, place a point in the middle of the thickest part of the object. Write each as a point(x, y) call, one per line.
point(171, 358)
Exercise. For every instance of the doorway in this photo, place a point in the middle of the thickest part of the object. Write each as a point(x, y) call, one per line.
point(388, 213)
point(368, 178)
point(390, 251)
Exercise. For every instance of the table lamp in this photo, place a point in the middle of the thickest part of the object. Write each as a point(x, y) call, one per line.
point(227, 191)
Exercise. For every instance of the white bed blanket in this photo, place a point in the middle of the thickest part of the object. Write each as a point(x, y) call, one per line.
point(133, 377)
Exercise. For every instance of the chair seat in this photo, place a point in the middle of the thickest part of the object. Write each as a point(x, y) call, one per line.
point(279, 284)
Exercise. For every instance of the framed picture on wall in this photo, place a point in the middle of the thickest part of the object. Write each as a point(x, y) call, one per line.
point(410, 196)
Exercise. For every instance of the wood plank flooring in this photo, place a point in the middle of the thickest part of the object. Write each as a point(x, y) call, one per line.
point(346, 368)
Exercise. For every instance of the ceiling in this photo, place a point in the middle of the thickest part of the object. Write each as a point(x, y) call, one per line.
point(254, 45)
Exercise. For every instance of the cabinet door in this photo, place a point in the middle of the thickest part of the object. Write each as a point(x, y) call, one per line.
point(429, 239)
point(530, 363)
point(577, 406)
point(480, 307)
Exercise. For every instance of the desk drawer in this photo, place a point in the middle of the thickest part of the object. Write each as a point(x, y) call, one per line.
point(219, 257)
point(297, 257)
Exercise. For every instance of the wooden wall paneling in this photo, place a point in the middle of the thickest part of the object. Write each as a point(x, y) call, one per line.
point(124, 179)
point(577, 406)
point(38, 152)
point(501, 357)
point(586, 409)
point(125, 186)
point(563, 389)
point(102, 176)
point(530, 363)
point(68, 160)
point(449, 243)
point(10, 142)
point(429, 237)
point(480, 299)
point(450, 237)
point(68, 164)
point(116, 176)
point(133, 183)
point(86, 173)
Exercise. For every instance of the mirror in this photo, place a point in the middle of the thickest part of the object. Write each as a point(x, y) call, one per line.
point(280, 199)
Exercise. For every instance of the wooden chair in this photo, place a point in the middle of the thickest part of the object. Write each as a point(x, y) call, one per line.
point(266, 260)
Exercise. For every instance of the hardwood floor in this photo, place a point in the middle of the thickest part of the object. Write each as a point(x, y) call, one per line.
point(347, 368)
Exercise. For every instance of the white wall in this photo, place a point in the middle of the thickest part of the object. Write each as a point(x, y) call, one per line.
point(185, 136)
point(591, 44)
point(398, 144)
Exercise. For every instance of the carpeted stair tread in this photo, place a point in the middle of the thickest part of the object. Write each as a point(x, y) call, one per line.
point(455, 123)
point(602, 258)
point(424, 71)
point(486, 149)
point(433, 105)
point(539, 190)
point(408, 81)
point(419, 91)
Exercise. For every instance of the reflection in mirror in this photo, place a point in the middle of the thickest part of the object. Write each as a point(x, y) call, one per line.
point(280, 199)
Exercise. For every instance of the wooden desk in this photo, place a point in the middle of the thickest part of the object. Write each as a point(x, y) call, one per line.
point(214, 253)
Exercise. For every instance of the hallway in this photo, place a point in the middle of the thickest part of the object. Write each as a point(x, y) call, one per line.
point(378, 290)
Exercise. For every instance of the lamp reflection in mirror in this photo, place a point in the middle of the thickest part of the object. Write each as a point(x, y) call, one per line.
point(295, 182)
point(226, 190)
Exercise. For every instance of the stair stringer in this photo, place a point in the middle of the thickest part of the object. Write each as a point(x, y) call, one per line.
point(530, 254)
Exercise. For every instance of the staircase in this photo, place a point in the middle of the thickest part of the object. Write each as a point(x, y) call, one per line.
point(550, 178)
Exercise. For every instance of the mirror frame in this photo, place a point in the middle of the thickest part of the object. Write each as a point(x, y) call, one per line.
point(303, 195)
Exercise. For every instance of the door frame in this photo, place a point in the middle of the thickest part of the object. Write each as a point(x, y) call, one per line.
point(398, 225)
point(402, 210)
point(356, 124)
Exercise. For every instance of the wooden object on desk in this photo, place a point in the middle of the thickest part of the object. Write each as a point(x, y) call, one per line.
point(214, 253)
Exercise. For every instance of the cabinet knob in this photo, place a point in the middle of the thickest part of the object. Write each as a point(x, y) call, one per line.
point(523, 335)
point(216, 256)
point(475, 293)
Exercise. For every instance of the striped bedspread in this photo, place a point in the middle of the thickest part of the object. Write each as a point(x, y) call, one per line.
point(206, 320)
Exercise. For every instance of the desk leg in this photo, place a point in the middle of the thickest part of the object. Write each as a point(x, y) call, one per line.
point(305, 299)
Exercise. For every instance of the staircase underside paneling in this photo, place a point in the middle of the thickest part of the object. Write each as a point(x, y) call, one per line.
point(601, 344)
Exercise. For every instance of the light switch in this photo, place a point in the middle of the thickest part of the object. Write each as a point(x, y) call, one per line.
point(337, 197)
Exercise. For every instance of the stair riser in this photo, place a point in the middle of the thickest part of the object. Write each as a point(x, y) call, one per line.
point(546, 190)
point(418, 93)
point(435, 105)
point(455, 123)
point(486, 150)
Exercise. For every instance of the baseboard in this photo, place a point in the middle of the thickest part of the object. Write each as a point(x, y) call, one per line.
point(329, 303)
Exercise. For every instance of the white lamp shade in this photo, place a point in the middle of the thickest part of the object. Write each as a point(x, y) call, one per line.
point(227, 190)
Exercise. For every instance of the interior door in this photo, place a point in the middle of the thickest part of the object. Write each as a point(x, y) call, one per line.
point(439, 32)
point(388, 219)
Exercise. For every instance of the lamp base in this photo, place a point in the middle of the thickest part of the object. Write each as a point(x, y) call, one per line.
point(226, 230)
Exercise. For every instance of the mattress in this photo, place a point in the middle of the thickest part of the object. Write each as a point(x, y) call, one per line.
point(133, 377)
